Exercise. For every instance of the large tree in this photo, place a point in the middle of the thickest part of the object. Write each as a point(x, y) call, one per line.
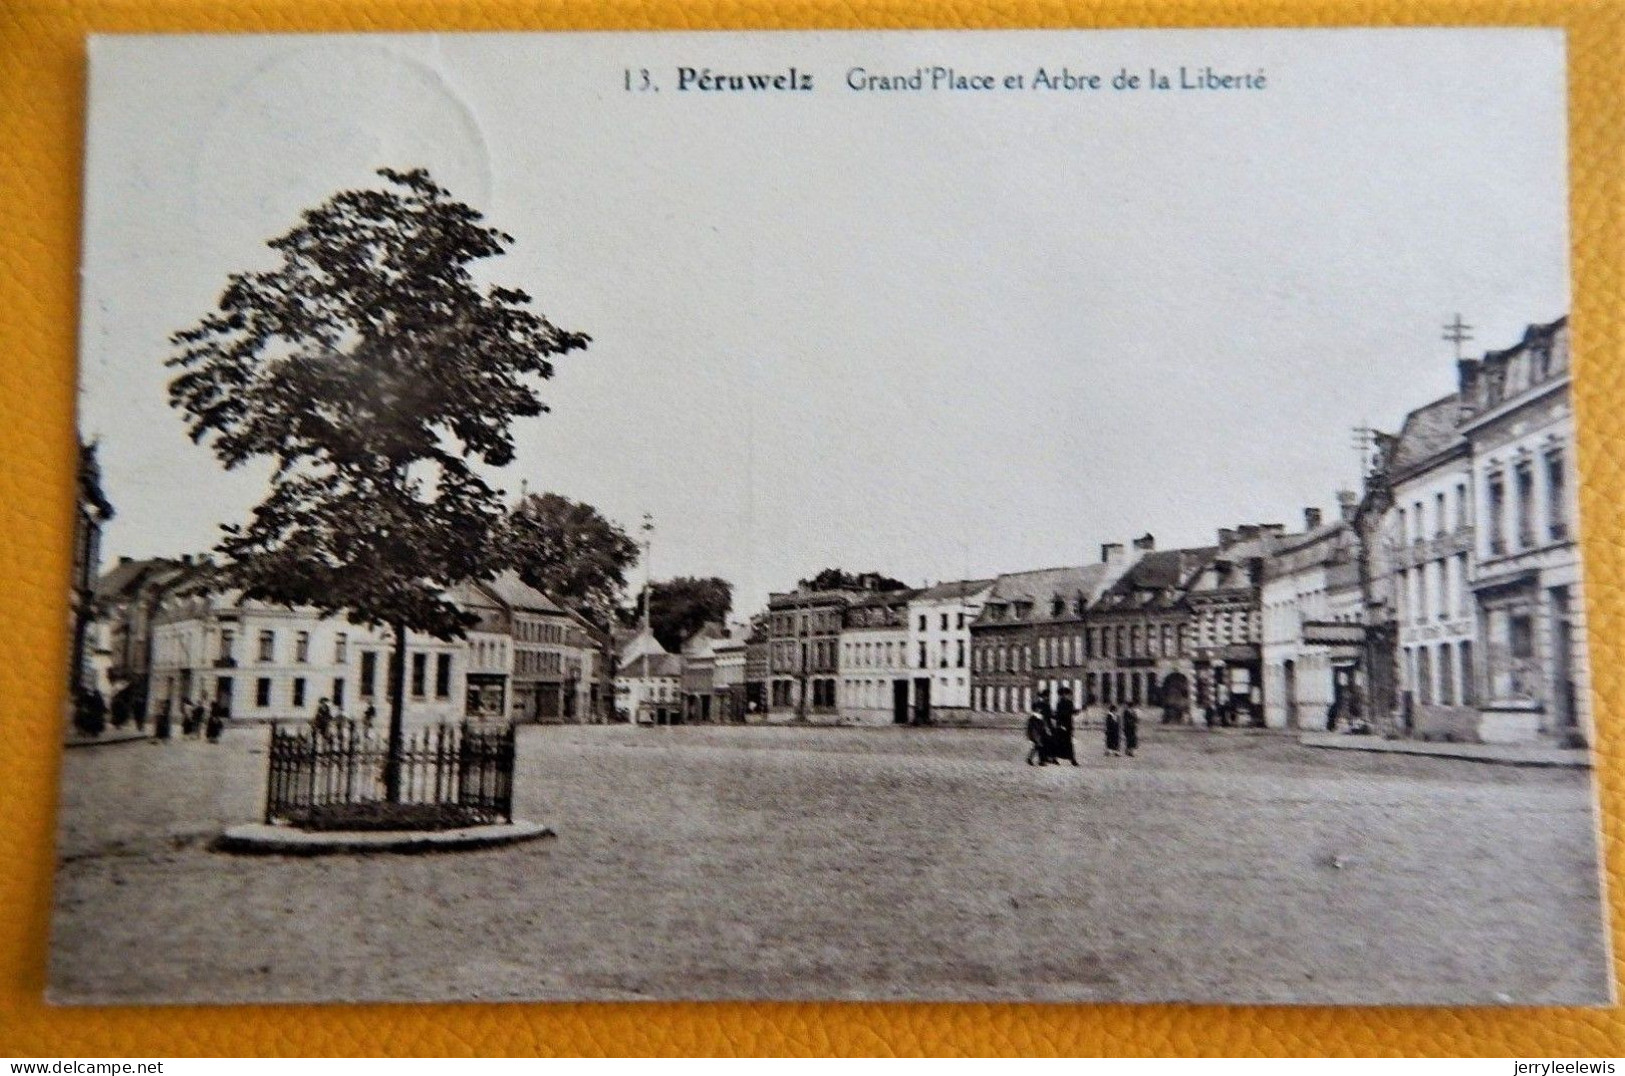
point(374, 372)
point(840, 579)
point(682, 606)
point(569, 550)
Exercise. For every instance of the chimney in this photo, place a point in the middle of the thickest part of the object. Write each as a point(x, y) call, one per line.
point(1272, 530)
point(124, 560)
point(1311, 519)
point(1111, 553)
point(1227, 537)
point(1247, 532)
point(1348, 503)
point(1145, 543)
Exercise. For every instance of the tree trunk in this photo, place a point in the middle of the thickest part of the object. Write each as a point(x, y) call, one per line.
point(397, 708)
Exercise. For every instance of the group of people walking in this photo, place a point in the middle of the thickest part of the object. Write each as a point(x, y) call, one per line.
point(195, 720)
point(1050, 728)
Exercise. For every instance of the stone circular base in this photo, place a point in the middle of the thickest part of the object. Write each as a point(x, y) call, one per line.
point(257, 838)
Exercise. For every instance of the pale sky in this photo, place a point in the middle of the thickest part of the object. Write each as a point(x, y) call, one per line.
point(930, 334)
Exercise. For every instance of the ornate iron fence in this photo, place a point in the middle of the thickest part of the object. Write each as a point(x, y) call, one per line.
point(450, 775)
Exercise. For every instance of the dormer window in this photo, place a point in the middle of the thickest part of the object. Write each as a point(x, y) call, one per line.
point(1057, 606)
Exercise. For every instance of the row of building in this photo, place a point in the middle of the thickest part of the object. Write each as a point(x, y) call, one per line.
point(162, 637)
point(1442, 599)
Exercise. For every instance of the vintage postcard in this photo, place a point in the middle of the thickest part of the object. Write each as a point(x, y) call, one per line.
point(1064, 516)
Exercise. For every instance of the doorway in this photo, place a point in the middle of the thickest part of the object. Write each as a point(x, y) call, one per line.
point(922, 700)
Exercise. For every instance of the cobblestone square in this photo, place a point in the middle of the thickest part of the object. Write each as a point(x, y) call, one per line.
point(765, 862)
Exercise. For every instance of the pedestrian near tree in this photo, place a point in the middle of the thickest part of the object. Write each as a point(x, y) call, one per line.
point(1113, 730)
point(323, 719)
point(368, 716)
point(91, 712)
point(1131, 730)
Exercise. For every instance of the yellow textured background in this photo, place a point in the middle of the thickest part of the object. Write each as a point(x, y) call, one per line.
point(42, 76)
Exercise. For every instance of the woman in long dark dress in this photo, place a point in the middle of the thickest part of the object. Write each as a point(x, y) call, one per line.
point(1131, 731)
point(1112, 728)
point(1062, 725)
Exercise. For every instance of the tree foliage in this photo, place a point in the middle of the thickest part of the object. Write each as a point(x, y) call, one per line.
point(838, 579)
point(682, 606)
point(374, 372)
point(569, 550)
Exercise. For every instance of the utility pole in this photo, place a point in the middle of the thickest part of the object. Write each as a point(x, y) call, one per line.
point(648, 568)
point(1458, 332)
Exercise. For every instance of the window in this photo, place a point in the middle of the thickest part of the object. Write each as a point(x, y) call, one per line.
point(299, 691)
point(338, 692)
point(267, 646)
point(341, 648)
point(944, 621)
point(1439, 514)
point(960, 657)
point(1461, 505)
point(1089, 642)
point(1421, 526)
point(442, 676)
point(1524, 475)
point(262, 692)
point(1496, 501)
point(420, 673)
point(1447, 676)
point(1557, 521)
point(1521, 636)
point(922, 621)
point(1468, 695)
point(960, 622)
point(301, 647)
point(1424, 677)
point(369, 672)
point(1421, 607)
point(1401, 523)
point(1444, 589)
point(1461, 585)
point(922, 653)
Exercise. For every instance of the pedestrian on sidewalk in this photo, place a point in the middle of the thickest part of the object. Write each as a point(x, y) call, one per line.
point(1131, 731)
point(1112, 730)
point(323, 720)
point(217, 719)
point(162, 724)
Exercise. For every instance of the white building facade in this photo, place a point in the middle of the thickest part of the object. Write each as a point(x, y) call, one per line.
point(1429, 534)
point(875, 674)
point(1517, 416)
point(939, 642)
point(1312, 634)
